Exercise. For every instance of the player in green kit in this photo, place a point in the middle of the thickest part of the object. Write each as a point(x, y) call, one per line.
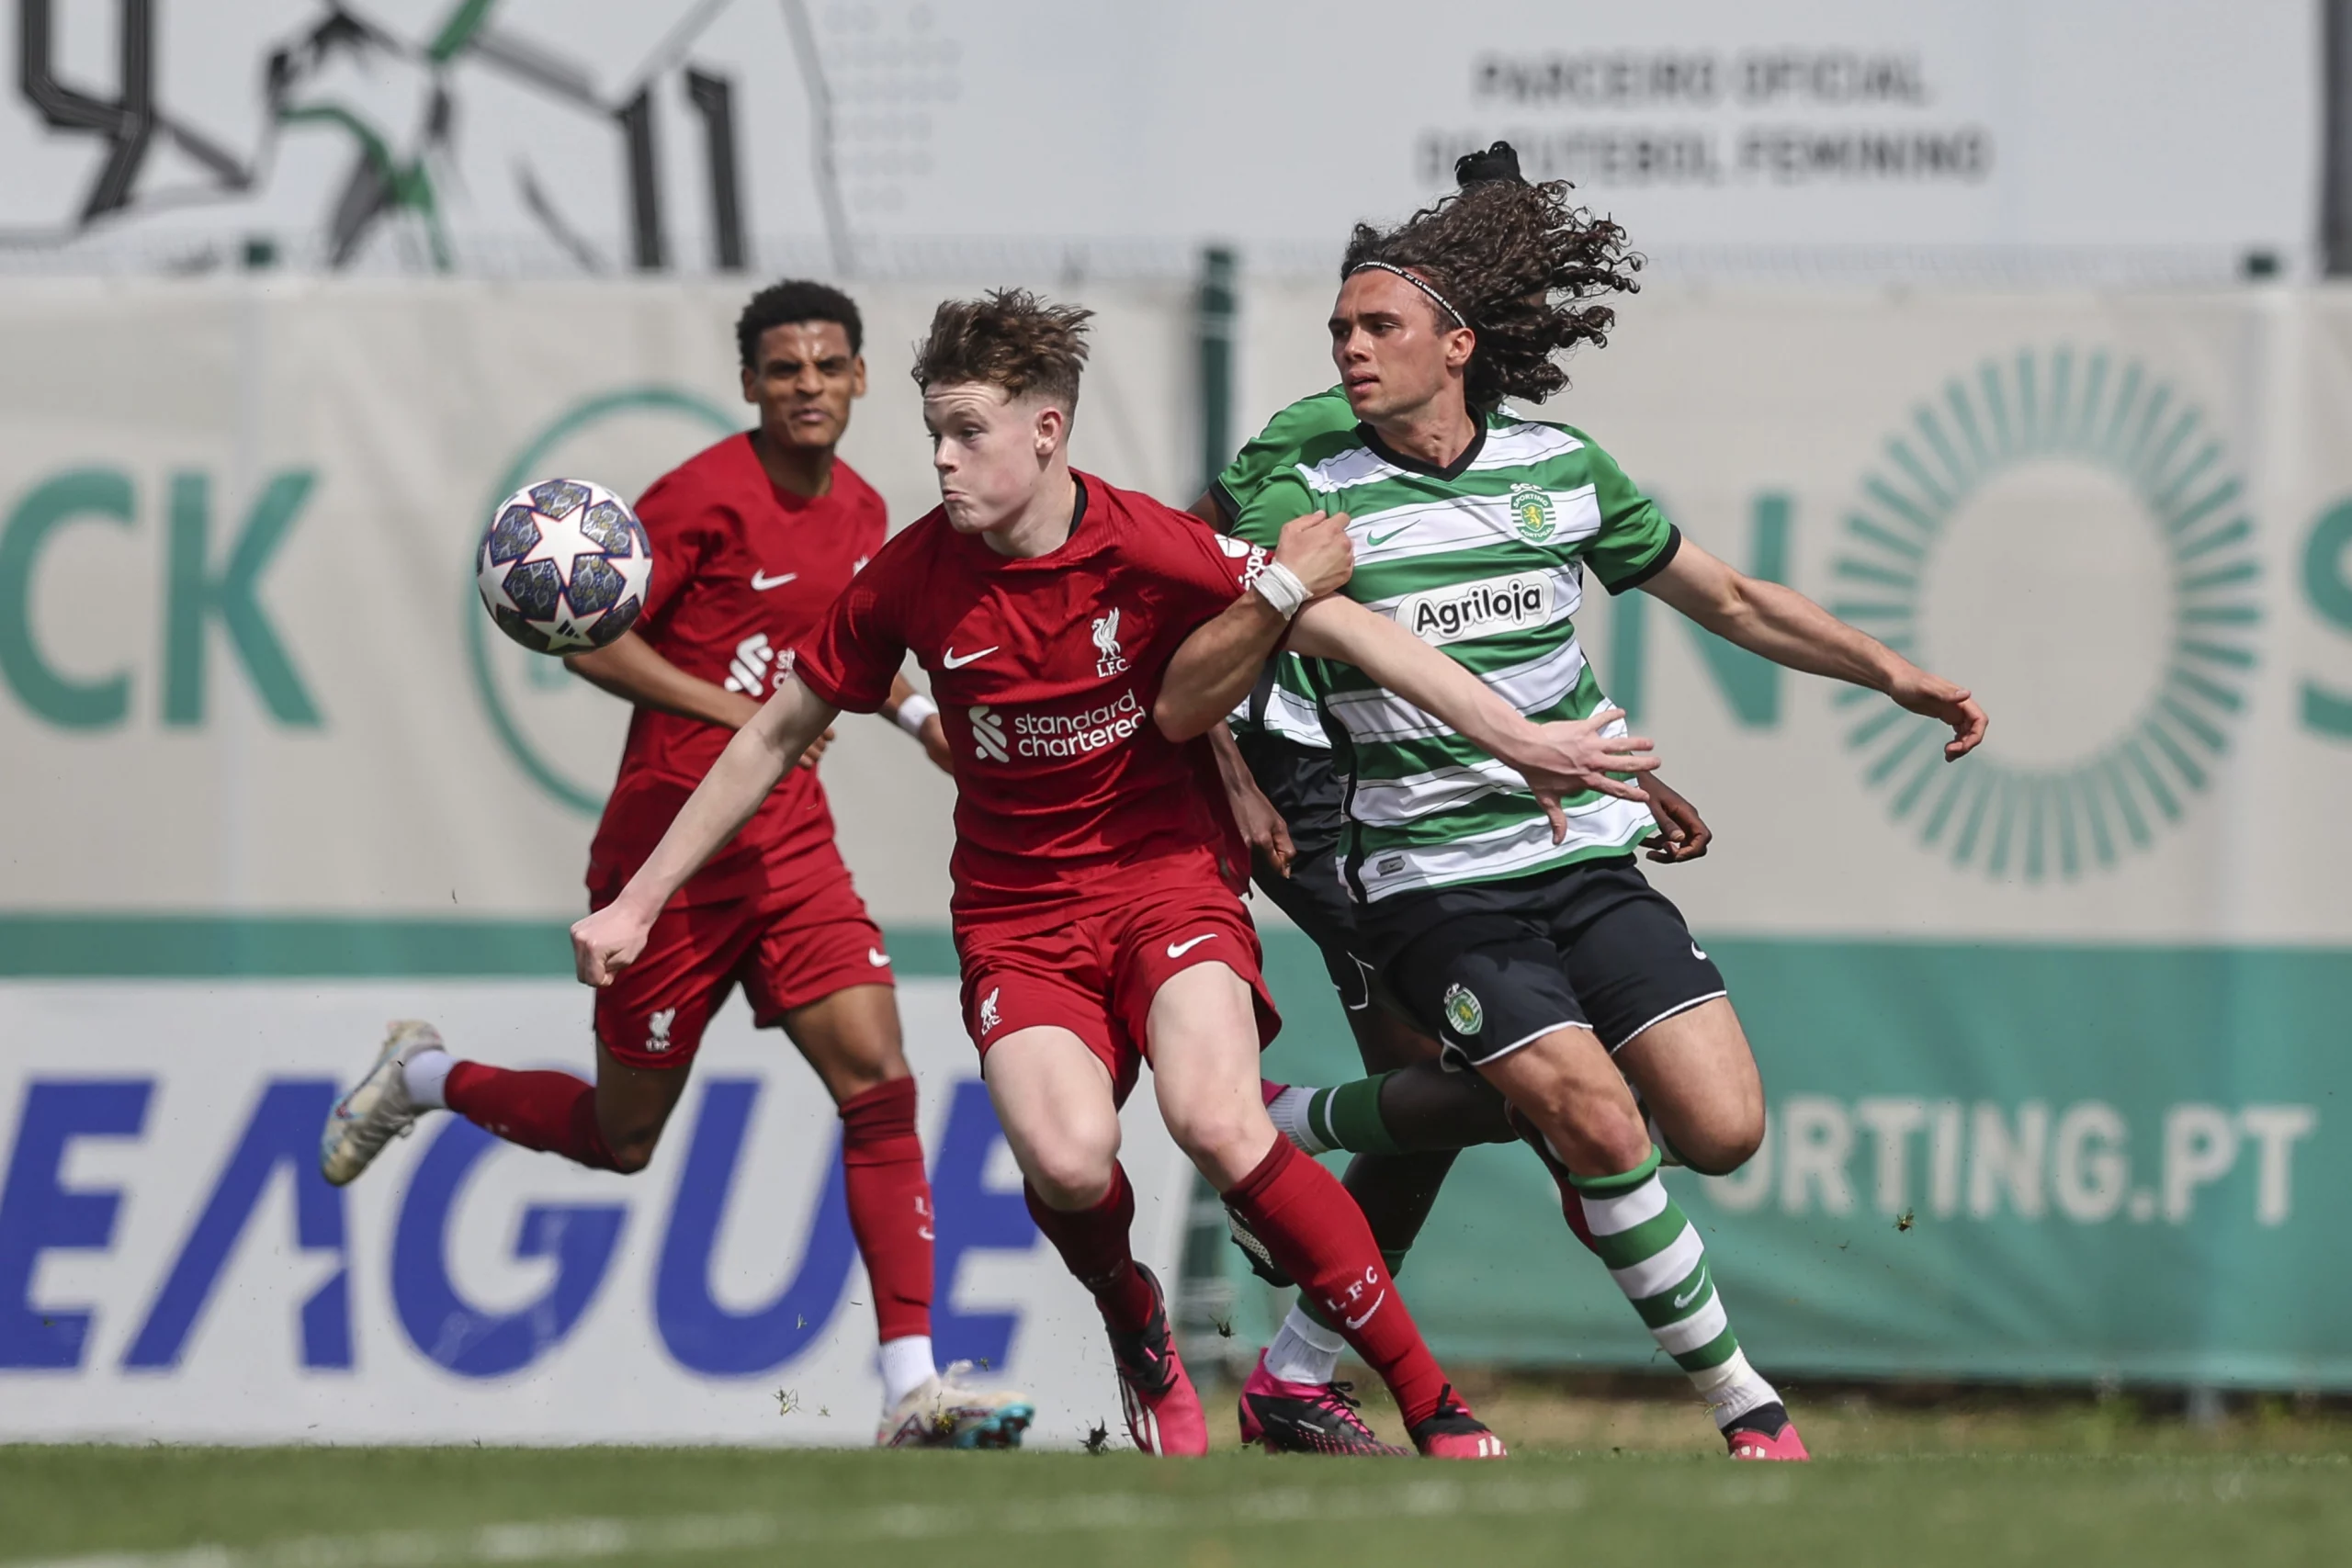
point(1287, 794)
point(1543, 960)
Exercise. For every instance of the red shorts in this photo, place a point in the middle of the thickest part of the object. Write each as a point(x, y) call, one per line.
point(804, 937)
point(1096, 975)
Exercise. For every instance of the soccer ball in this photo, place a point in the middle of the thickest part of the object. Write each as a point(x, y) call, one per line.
point(564, 565)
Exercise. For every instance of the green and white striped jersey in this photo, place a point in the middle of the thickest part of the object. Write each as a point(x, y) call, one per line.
point(1283, 700)
point(1485, 560)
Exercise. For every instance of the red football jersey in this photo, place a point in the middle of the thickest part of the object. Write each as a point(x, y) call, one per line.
point(741, 572)
point(1045, 672)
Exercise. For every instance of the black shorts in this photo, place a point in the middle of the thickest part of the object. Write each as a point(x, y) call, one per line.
point(1304, 786)
point(1318, 903)
point(1490, 966)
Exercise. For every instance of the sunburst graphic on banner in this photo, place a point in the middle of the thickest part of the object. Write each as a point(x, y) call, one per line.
point(2014, 818)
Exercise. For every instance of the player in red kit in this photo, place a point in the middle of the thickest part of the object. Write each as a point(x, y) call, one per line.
point(1096, 870)
point(753, 539)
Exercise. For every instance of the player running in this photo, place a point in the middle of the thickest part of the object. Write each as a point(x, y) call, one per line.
point(1094, 908)
point(752, 538)
point(1548, 963)
point(1288, 798)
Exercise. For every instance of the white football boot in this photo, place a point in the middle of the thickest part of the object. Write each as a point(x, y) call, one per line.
point(944, 1410)
point(377, 1108)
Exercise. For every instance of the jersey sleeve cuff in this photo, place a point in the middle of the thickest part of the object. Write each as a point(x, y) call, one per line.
point(1227, 509)
point(1657, 563)
point(810, 675)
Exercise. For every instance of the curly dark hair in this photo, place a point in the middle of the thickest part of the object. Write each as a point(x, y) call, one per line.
point(1524, 265)
point(1009, 339)
point(795, 299)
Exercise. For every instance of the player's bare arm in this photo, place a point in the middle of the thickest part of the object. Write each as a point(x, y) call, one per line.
point(1788, 628)
point(611, 939)
point(916, 714)
point(634, 670)
point(1562, 757)
point(1219, 662)
point(1262, 828)
point(1220, 659)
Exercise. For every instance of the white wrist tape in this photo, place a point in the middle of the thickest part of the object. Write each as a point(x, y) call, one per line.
point(912, 712)
point(1280, 586)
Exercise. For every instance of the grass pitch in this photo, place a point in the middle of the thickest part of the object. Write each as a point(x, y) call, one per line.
point(421, 1509)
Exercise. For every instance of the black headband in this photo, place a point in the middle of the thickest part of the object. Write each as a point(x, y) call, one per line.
point(1443, 303)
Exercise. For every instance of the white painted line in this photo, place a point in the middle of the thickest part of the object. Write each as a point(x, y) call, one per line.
point(554, 1540)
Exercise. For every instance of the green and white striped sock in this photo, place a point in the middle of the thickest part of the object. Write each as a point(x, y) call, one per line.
point(1654, 1253)
point(1321, 1120)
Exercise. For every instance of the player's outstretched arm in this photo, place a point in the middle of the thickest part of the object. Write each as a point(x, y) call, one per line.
point(1788, 628)
point(1566, 757)
point(634, 670)
point(1215, 667)
point(610, 940)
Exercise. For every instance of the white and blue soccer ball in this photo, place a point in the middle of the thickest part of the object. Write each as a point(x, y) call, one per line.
point(565, 566)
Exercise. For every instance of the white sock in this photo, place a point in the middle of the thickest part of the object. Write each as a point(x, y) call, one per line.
point(1732, 1389)
point(424, 1076)
point(905, 1364)
point(1305, 1351)
point(1288, 1110)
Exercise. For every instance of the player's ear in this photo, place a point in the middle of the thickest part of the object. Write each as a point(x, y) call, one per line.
point(1051, 426)
point(858, 376)
point(1460, 345)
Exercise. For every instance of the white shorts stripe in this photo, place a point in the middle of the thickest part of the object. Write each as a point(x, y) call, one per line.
point(1678, 1006)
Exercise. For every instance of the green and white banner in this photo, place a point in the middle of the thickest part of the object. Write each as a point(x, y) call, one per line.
point(2054, 1038)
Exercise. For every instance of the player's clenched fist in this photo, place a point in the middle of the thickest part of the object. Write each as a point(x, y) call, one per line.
point(606, 942)
point(1317, 548)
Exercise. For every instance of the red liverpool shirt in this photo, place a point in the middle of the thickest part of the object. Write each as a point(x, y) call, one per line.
point(1045, 671)
point(742, 571)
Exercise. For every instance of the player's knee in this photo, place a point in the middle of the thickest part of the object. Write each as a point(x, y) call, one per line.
point(1222, 1138)
point(1597, 1133)
point(1722, 1144)
point(848, 1079)
point(632, 1152)
point(1072, 1172)
point(630, 1143)
point(1715, 1133)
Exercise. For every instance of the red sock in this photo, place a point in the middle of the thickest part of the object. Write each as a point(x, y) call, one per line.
point(552, 1112)
point(1093, 1245)
point(1318, 1236)
point(889, 1204)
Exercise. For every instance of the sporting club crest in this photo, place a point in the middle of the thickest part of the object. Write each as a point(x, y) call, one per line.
point(1463, 1013)
point(1531, 508)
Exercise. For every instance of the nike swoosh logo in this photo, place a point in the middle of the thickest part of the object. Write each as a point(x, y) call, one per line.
point(947, 657)
point(1178, 949)
point(1692, 1295)
point(879, 959)
point(762, 582)
point(1360, 1322)
point(1696, 953)
point(1373, 541)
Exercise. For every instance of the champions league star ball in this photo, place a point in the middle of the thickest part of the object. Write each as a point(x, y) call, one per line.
point(565, 566)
